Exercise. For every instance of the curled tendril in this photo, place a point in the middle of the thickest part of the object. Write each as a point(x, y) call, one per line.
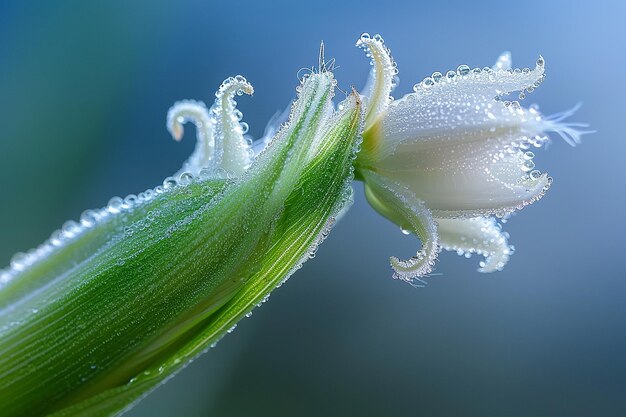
point(233, 150)
point(381, 80)
point(221, 145)
point(189, 111)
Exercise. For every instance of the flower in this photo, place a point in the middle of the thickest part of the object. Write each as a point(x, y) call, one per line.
point(443, 160)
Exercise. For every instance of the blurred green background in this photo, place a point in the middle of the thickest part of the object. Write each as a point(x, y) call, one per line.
point(84, 89)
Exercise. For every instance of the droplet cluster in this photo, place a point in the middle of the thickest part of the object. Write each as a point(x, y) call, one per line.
point(507, 79)
point(477, 236)
point(91, 219)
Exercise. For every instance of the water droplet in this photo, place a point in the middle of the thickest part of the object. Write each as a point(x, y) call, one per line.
point(528, 165)
point(436, 76)
point(169, 183)
point(70, 228)
point(463, 70)
point(18, 261)
point(185, 178)
point(130, 201)
point(428, 82)
point(88, 218)
point(115, 205)
point(540, 61)
point(55, 238)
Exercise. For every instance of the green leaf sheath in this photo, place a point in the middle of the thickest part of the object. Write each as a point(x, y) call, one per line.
point(106, 317)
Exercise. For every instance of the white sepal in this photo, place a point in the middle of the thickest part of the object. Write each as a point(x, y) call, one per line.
point(399, 205)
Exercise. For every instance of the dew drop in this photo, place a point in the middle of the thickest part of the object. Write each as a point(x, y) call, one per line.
point(185, 178)
point(130, 201)
point(115, 205)
point(528, 165)
point(70, 228)
point(169, 183)
point(148, 195)
point(463, 70)
point(428, 82)
point(540, 61)
point(18, 261)
point(88, 218)
point(55, 238)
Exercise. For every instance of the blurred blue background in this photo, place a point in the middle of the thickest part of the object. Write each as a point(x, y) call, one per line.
point(84, 89)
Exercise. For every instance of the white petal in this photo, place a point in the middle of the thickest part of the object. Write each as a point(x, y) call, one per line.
point(399, 205)
point(504, 62)
point(468, 180)
point(381, 80)
point(458, 149)
point(460, 106)
point(478, 235)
